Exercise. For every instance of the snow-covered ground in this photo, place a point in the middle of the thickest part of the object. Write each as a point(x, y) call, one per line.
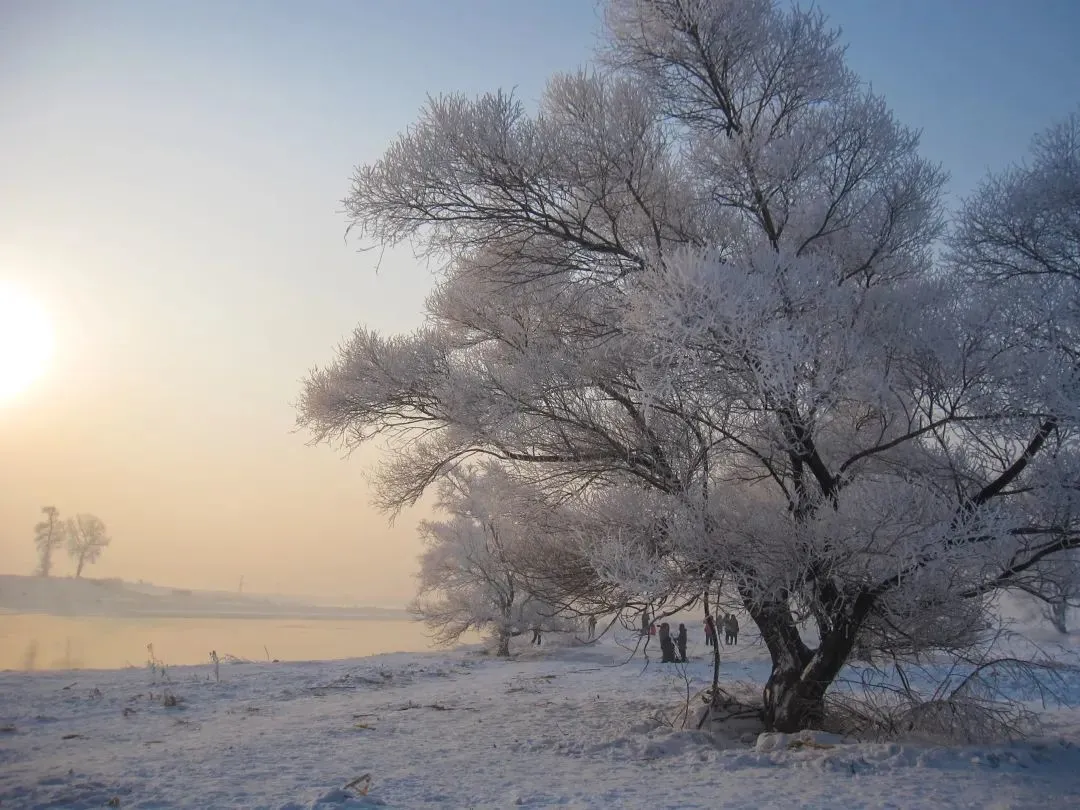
point(562, 726)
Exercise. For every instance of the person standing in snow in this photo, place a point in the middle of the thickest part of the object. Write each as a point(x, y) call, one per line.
point(592, 627)
point(731, 629)
point(667, 647)
point(710, 630)
point(680, 642)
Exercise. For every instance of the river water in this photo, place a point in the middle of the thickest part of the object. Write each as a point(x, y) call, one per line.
point(31, 641)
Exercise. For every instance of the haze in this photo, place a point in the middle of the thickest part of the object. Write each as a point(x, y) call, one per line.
point(169, 186)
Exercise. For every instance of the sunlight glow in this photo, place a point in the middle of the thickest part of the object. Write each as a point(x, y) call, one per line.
point(26, 341)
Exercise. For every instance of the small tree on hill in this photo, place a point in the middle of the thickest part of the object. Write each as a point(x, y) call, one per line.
point(49, 535)
point(86, 540)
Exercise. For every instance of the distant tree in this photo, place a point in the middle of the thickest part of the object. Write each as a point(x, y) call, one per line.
point(468, 578)
point(86, 540)
point(49, 535)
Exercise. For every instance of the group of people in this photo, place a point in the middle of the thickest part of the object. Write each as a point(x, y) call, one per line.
point(673, 648)
point(669, 648)
point(731, 630)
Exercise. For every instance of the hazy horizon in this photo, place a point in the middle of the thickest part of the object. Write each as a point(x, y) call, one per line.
point(169, 184)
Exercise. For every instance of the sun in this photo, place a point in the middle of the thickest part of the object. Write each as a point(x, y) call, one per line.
point(26, 341)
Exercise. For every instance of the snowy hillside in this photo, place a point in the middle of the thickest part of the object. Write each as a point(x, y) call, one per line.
point(568, 726)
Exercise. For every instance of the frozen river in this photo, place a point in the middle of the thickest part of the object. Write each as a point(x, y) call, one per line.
point(32, 641)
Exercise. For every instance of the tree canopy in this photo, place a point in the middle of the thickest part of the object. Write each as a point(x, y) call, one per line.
point(694, 302)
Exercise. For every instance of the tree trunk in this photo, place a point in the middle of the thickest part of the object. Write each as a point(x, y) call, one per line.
point(715, 671)
point(792, 702)
point(794, 695)
point(715, 699)
point(79, 566)
point(786, 706)
point(504, 644)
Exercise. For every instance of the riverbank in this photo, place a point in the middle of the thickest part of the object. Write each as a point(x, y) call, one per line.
point(567, 726)
point(66, 596)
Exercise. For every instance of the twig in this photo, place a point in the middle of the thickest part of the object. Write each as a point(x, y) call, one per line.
point(436, 706)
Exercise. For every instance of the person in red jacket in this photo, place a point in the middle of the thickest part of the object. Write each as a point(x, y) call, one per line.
point(710, 631)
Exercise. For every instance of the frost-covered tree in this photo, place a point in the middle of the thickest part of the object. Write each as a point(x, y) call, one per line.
point(86, 539)
point(1060, 591)
point(468, 577)
point(49, 535)
point(1054, 586)
point(1019, 235)
point(693, 293)
point(1023, 223)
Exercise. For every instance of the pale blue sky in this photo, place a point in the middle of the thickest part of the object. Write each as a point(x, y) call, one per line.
point(169, 182)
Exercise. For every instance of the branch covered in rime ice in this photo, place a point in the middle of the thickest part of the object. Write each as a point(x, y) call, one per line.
point(690, 306)
point(1024, 222)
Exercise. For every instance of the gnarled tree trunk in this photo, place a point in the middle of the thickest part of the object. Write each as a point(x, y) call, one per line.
point(503, 650)
point(794, 696)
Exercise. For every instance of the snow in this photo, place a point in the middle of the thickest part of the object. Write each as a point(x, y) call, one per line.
point(562, 726)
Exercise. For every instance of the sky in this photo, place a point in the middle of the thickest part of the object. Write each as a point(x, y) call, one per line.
point(170, 186)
